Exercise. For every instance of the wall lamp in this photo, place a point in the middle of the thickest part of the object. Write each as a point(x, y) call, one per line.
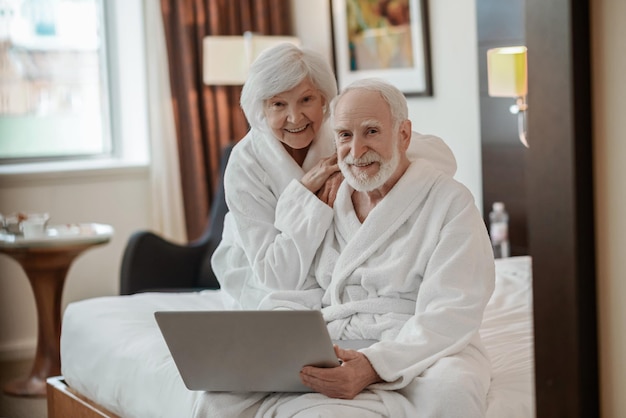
point(226, 59)
point(507, 73)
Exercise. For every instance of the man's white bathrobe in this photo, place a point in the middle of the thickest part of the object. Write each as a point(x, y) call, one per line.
point(275, 225)
point(416, 275)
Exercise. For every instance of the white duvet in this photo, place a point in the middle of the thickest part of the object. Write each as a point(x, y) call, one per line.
point(113, 353)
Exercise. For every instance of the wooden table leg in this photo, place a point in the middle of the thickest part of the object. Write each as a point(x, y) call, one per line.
point(46, 273)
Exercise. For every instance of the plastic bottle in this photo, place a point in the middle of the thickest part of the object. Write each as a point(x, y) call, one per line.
point(499, 230)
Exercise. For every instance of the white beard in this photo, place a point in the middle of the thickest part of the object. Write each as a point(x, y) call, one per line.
point(364, 183)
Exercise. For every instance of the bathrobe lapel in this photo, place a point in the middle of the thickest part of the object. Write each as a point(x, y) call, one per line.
point(280, 166)
point(358, 242)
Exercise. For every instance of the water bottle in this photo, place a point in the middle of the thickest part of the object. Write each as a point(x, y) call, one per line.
point(499, 230)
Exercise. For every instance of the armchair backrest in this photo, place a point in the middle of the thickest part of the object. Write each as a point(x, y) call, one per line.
point(213, 233)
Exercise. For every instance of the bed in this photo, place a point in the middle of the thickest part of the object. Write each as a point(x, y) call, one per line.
point(115, 362)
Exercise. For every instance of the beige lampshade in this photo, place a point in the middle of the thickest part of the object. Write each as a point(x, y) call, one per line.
point(226, 59)
point(507, 71)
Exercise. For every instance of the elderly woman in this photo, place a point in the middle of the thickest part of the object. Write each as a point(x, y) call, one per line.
point(281, 178)
point(276, 221)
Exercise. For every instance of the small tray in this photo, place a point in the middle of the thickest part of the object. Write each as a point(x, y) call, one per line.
point(66, 234)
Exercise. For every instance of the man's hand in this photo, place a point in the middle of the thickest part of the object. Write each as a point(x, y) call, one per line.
point(328, 192)
point(345, 381)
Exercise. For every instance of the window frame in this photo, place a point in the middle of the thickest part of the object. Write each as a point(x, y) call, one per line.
point(127, 106)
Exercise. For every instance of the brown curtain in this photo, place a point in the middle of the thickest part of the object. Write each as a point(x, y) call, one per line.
point(208, 117)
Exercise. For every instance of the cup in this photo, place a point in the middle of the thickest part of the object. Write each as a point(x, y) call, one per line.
point(13, 223)
point(34, 226)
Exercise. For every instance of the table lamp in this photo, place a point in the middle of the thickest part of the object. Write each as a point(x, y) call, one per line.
point(226, 59)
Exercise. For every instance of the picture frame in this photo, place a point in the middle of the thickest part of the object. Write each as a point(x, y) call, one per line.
point(383, 39)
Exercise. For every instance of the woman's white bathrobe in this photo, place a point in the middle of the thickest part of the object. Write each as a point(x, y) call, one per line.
point(275, 225)
point(416, 275)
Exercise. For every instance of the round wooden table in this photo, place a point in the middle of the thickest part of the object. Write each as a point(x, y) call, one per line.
point(45, 261)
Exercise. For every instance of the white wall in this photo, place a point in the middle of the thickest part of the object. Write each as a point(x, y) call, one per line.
point(609, 90)
point(453, 111)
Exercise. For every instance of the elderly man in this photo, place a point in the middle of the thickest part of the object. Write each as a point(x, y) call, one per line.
point(407, 263)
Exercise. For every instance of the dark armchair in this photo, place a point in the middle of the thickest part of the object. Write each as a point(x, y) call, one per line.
point(151, 263)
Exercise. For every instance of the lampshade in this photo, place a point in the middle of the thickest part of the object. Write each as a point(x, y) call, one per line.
point(226, 59)
point(507, 71)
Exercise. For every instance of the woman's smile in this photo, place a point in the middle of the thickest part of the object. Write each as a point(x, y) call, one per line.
point(297, 130)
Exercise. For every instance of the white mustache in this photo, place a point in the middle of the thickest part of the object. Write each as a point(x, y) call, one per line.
point(367, 158)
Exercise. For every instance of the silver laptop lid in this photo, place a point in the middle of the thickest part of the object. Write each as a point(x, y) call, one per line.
point(246, 351)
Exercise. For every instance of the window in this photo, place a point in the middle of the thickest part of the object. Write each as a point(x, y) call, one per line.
point(54, 101)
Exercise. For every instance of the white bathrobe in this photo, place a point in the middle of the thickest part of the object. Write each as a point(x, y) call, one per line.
point(275, 225)
point(416, 275)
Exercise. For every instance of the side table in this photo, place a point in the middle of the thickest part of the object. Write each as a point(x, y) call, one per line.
point(46, 261)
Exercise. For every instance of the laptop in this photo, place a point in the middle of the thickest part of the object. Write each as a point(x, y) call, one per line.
point(246, 351)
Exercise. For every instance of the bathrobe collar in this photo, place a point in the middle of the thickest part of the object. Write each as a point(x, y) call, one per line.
point(273, 156)
point(389, 214)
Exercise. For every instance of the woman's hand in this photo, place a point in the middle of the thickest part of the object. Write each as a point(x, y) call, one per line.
point(328, 192)
point(317, 176)
point(345, 381)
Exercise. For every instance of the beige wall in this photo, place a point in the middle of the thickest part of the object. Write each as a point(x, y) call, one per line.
point(117, 197)
point(609, 90)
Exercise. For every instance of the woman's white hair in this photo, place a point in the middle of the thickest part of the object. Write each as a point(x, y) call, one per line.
point(391, 94)
point(280, 69)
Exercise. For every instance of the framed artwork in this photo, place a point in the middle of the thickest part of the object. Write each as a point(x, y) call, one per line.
point(387, 39)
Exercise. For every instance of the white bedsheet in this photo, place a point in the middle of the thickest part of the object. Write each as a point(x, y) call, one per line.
point(113, 353)
point(507, 332)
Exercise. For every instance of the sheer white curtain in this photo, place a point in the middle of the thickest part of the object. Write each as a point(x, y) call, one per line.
point(167, 203)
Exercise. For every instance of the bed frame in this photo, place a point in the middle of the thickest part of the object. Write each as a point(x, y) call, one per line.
point(65, 402)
